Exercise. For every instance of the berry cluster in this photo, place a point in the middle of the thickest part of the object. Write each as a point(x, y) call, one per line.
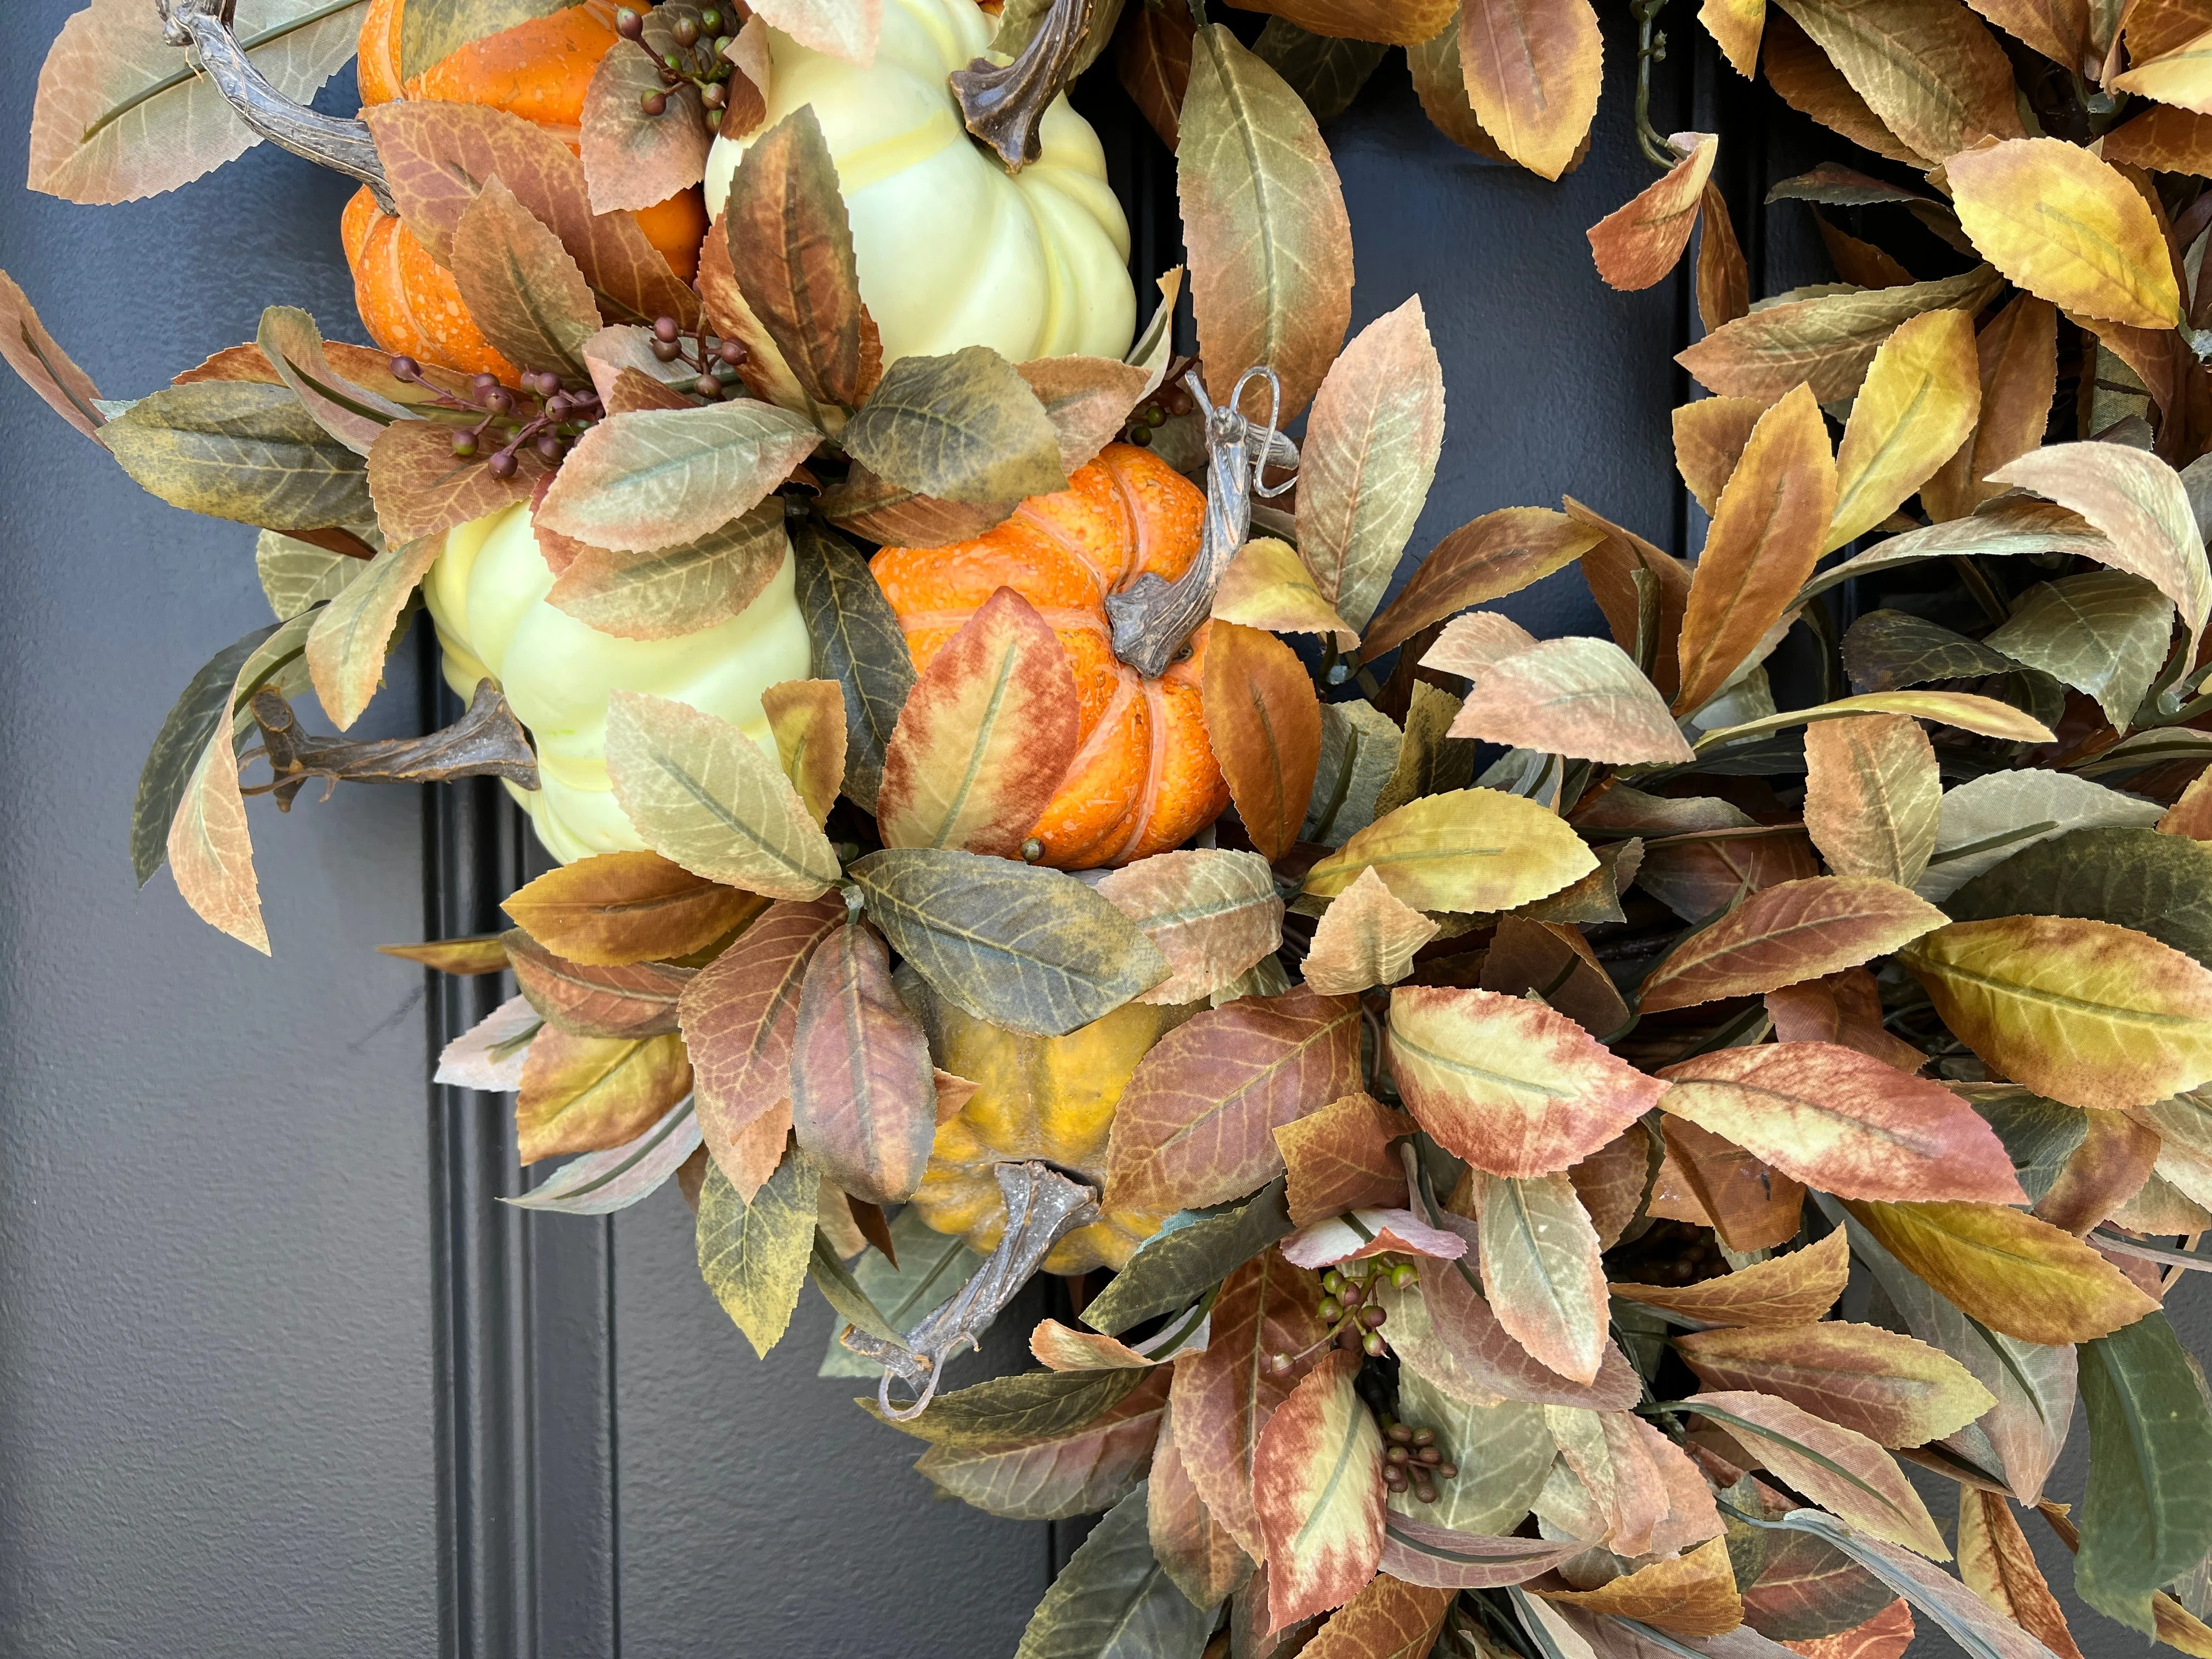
point(689, 46)
point(543, 416)
point(1354, 1318)
point(716, 360)
point(1172, 398)
point(1413, 1460)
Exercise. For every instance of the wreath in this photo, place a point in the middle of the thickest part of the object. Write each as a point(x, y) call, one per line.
point(1541, 1134)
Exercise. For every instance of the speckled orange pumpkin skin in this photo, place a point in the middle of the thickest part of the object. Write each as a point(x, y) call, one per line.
point(539, 71)
point(1144, 778)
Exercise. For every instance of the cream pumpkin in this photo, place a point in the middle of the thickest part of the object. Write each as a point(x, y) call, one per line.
point(952, 250)
point(487, 594)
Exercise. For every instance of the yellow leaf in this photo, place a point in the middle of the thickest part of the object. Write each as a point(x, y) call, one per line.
point(1533, 69)
point(1918, 404)
point(1366, 937)
point(1984, 716)
point(1467, 850)
point(1693, 1595)
point(1710, 436)
point(1787, 1289)
point(1269, 586)
point(2016, 356)
point(2081, 1011)
point(2182, 77)
point(1933, 74)
point(1894, 1389)
point(1826, 341)
point(2067, 227)
point(1737, 25)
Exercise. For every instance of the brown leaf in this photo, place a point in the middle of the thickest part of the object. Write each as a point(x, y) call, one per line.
point(1764, 540)
point(1533, 74)
point(985, 738)
point(1551, 961)
point(1611, 1183)
point(1223, 1396)
point(434, 153)
point(737, 1018)
point(1196, 1124)
point(1932, 75)
point(1751, 1204)
point(1088, 398)
point(1214, 914)
point(34, 353)
point(634, 1000)
point(1198, 1552)
point(808, 719)
point(1724, 277)
point(1826, 341)
point(1264, 722)
point(1484, 559)
point(1996, 1563)
point(633, 160)
point(1264, 217)
point(2163, 139)
point(1152, 59)
point(1693, 1595)
point(2109, 1168)
point(1441, 85)
point(1872, 797)
point(898, 517)
point(1339, 1157)
point(1840, 1470)
point(1860, 263)
point(863, 1093)
point(1087, 1466)
point(622, 907)
point(1366, 937)
point(519, 285)
point(1317, 1488)
point(483, 953)
point(1709, 435)
point(583, 1094)
point(420, 488)
point(1797, 931)
point(647, 481)
point(1609, 568)
point(1638, 243)
point(1794, 1289)
point(1844, 1008)
point(1887, 1635)
point(1892, 1388)
point(1389, 1620)
point(1810, 83)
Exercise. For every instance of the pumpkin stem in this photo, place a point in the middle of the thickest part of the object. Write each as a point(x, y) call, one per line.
point(1004, 104)
point(344, 146)
point(1042, 1208)
point(487, 741)
point(1152, 617)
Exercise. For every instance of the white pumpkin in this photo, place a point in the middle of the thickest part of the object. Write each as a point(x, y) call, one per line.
point(487, 594)
point(952, 250)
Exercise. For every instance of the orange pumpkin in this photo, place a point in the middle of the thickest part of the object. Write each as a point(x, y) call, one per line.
point(1144, 778)
point(540, 71)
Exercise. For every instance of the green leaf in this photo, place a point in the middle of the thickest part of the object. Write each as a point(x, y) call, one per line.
point(965, 427)
point(191, 722)
point(1360, 748)
point(296, 574)
point(655, 477)
point(2147, 1517)
point(1114, 1601)
point(858, 643)
point(240, 450)
point(2156, 884)
point(843, 1292)
point(1031, 1406)
point(1325, 71)
point(2103, 632)
point(754, 1256)
point(1889, 650)
point(932, 1267)
point(1027, 948)
point(1987, 820)
point(431, 31)
point(1178, 1265)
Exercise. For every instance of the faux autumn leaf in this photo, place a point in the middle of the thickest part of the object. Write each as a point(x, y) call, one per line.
point(1798, 930)
point(1513, 1087)
point(1317, 1488)
point(1533, 74)
point(580, 1093)
point(1088, 399)
point(2016, 356)
point(346, 644)
point(1389, 1620)
point(683, 589)
point(1623, 1493)
point(1826, 341)
point(1766, 538)
point(2021, 1277)
point(1838, 1469)
point(1077, 1469)
point(1192, 1547)
point(1710, 434)
point(622, 907)
point(754, 1255)
point(1709, 1180)
point(846, 30)
point(1541, 1269)
point(1472, 644)
point(2083, 1012)
point(1340, 1158)
point(634, 1001)
point(1579, 697)
point(1554, 960)
point(1062, 1348)
point(1484, 559)
point(1794, 1289)
point(2147, 1516)
point(2102, 632)
point(1844, 1123)
point(520, 287)
point(1196, 1124)
point(1366, 1233)
point(738, 1018)
point(1985, 716)
point(1638, 244)
point(1224, 1396)
point(1996, 1563)
point(1891, 1389)
point(633, 160)
point(1610, 568)
point(1445, 1330)
point(1364, 939)
point(985, 738)
point(1264, 722)
point(657, 478)
point(1465, 850)
point(1213, 912)
point(1932, 75)
point(965, 427)
point(1873, 796)
point(808, 718)
point(1369, 457)
point(1917, 403)
point(863, 1093)
point(1693, 1595)
point(702, 795)
point(1268, 586)
point(1263, 214)
point(2068, 228)
point(1844, 1008)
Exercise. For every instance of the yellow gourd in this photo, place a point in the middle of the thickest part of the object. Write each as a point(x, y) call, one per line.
point(952, 250)
point(487, 594)
point(1042, 1097)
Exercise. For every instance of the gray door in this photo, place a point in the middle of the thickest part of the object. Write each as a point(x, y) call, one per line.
point(277, 1375)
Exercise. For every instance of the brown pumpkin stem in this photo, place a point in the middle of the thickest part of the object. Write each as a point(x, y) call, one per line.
point(344, 146)
point(1042, 1208)
point(1004, 104)
point(1152, 617)
point(486, 742)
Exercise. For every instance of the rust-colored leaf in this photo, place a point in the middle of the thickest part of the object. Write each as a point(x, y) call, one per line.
point(1088, 400)
point(583, 1094)
point(1317, 1489)
point(1996, 1563)
point(1723, 275)
point(2016, 356)
point(808, 720)
point(633, 160)
point(1366, 937)
point(1264, 722)
point(1639, 242)
point(1213, 914)
point(1339, 1157)
point(1797, 931)
point(521, 288)
point(37, 357)
point(1533, 73)
point(1887, 1635)
point(1693, 1595)
point(863, 1093)
point(2115, 1159)
point(2163, 139)
point(1620, 1479)
point(1611, 1183)
point(1512, 1086)
point(1389, 1620)
point(1844, 1008)
point(1825, 341)
point(738, 1018)
point(1484, 559)
point(1894, 1389)
point(1610, 568)
point(985, 738)
point(421, 489)
point(1553, 961)
point(1196, 1124)
point(1710, 434)
point(622, 907)
point(1151, 59)
point(1840, 1470)
point(1197, 1552)
point(1932, 75)
point(1872, 797)
point(1765, 541)
point(1784, 1290)
point(638, 1000)
point(1711, 1180)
